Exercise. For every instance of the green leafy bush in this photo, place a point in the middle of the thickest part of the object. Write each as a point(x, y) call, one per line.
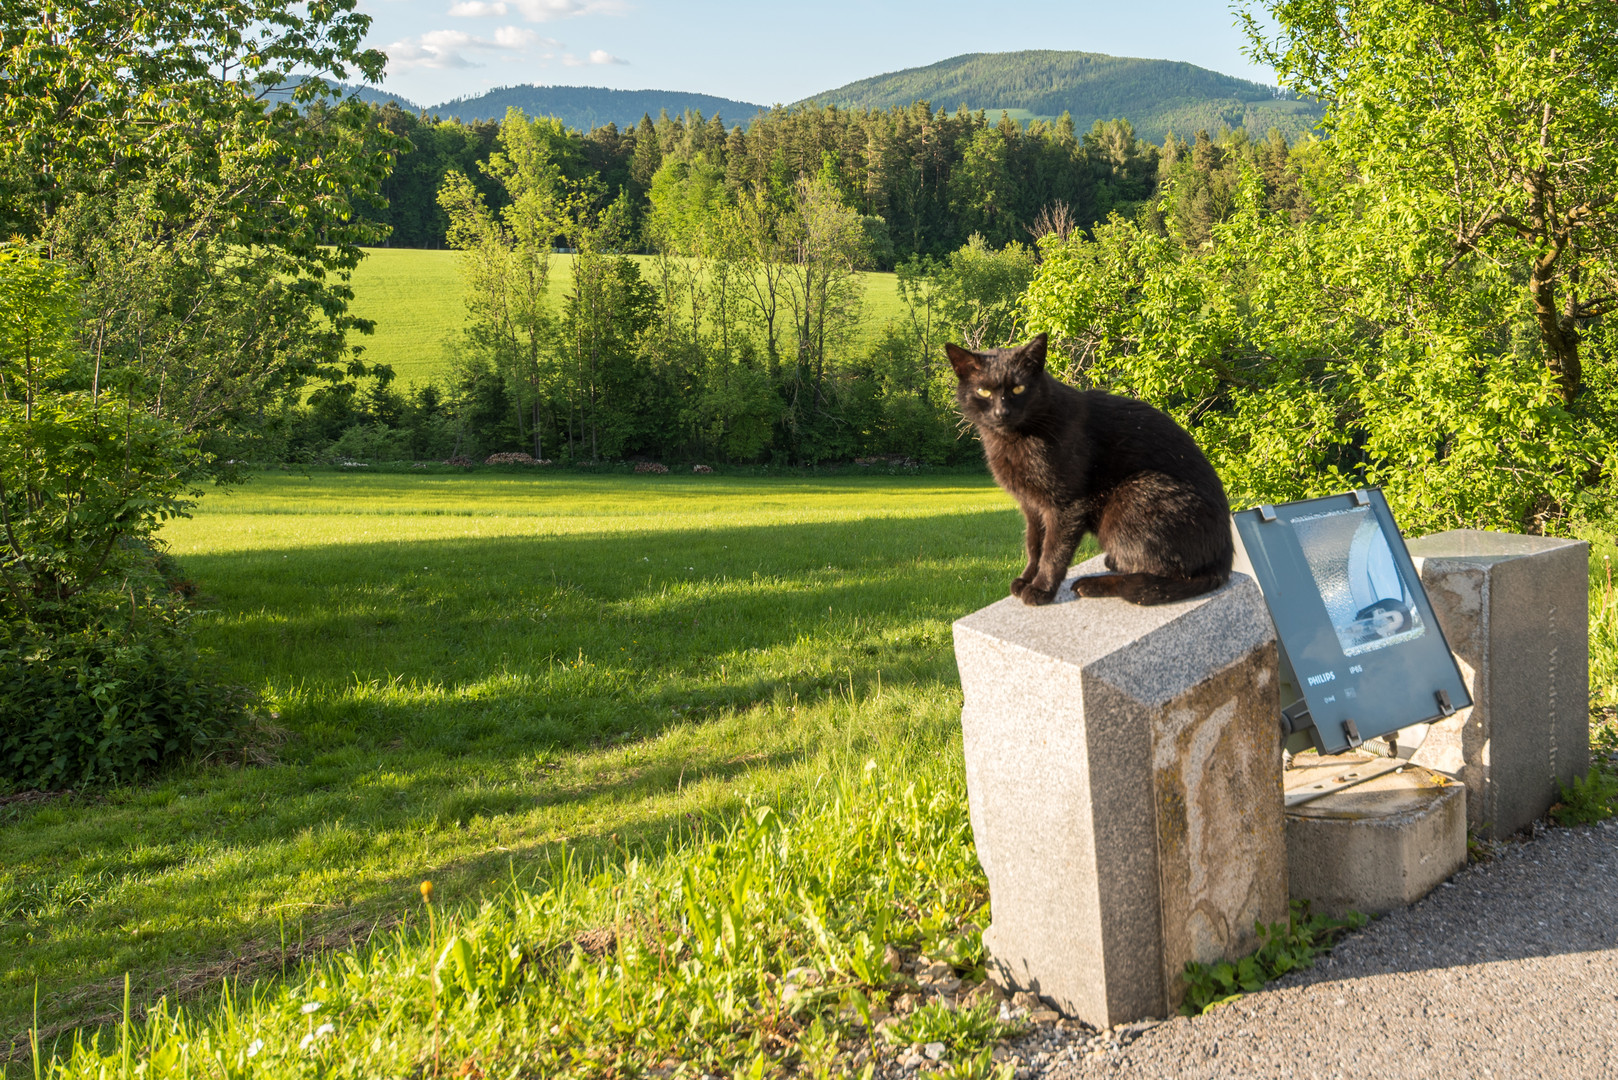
point(98, 697)
point(1315, 356)
point(98, 679)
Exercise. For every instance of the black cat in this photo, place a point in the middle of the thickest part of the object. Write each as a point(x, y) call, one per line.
point(1085, 461)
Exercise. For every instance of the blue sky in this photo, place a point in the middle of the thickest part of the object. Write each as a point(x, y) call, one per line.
point(763, 52)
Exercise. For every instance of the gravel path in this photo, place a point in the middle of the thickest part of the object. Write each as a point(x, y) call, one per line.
point(1510, 969)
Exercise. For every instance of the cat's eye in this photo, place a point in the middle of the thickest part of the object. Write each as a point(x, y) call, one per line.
point(1018, 389)
point(984, 391)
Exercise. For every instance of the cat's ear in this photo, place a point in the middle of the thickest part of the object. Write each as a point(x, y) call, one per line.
point(965, 363)
point(1035, 351)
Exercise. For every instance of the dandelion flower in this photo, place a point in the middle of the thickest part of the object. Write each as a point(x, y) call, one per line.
point(427, 891)
point(309, 1007)
point(303, 1044)
point(324, 1029)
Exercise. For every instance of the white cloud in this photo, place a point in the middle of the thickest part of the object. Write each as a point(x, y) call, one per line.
point(597, 56)
point(535, 10)
point(515, 37)
point(443, 49)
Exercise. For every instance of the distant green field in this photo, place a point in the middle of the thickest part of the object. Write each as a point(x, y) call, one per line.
point(415, 298)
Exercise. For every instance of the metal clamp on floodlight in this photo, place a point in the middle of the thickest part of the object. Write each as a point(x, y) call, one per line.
point(1361, 654)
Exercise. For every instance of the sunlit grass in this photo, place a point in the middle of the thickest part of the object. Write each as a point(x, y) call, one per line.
point(564, 700)
point(482, 675)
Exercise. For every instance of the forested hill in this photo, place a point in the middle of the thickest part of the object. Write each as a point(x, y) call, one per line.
point(586, 107)
point(1156, 96)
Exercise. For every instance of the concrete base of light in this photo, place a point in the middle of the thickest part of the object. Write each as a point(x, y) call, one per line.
point(1374, 847)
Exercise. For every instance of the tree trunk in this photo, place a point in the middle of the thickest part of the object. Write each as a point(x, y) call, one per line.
point(1556, 330)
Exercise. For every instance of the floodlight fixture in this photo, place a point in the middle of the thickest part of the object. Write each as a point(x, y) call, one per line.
point(1361, 654)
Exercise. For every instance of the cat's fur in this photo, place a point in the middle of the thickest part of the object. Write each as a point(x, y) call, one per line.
point(1088, 462)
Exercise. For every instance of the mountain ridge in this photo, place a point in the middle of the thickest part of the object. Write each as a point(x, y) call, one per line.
point(1155, 96)
point(582, 107)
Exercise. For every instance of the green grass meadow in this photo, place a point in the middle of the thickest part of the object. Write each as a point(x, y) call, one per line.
point(493, 682)
point(415, 298)
point(679, 755)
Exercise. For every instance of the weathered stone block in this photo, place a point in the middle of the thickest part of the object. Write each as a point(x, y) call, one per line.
point(1377, 846)
point(1123, 770)
point(1514, 610)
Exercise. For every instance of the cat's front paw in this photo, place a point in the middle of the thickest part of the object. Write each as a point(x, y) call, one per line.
point(1034, 596)
point(1018, 585)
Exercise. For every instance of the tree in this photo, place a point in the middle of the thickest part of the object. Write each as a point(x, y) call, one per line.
point(759, 238)
point(973, 297)
point(84, 467)
point(201, 144)
point(1492, 122)
point(1307, 357)
point(505, 259)
point(823, 288)
point(604, 320)
point(97, 678)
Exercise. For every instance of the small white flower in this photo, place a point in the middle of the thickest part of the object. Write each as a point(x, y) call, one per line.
point(303, 1044)
point(324, 1029)
point(254, 1047)
point(309, 1007)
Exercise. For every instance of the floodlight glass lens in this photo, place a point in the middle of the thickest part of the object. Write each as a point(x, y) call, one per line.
point(1366, 596)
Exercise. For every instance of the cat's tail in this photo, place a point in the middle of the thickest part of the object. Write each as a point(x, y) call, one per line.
point(1147, 589)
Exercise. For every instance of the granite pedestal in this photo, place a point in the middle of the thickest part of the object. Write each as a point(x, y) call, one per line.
point(1514, 610)
point(1123, 770)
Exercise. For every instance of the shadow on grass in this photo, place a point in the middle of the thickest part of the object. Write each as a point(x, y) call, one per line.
point(505, 642)
point(466, 709)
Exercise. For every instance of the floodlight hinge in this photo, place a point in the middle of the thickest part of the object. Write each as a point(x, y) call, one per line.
point(1361, 497)
point(1351, 732)
point(1296, 718)
point(1444, 706)
point(1266, 513)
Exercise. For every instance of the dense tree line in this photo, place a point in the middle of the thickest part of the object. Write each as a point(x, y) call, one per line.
point(934, 178)
point(740, 339)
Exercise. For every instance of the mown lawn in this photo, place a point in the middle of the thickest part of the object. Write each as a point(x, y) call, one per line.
point(485, 680)
point(415, 297)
